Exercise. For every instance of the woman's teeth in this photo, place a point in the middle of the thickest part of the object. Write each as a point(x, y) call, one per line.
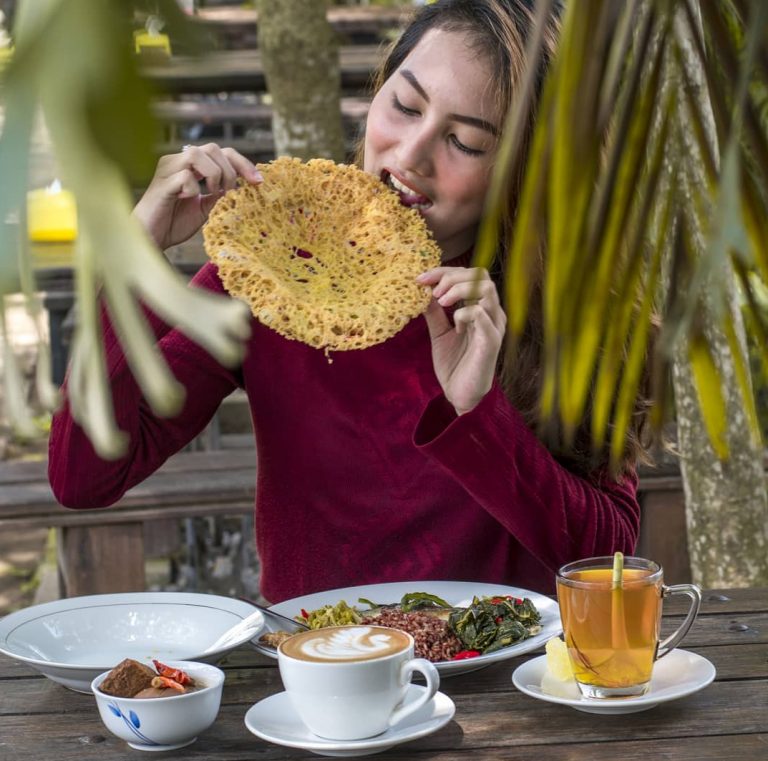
point(408, 196)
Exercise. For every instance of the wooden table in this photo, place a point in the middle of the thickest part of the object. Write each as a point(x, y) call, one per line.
point(727, 720)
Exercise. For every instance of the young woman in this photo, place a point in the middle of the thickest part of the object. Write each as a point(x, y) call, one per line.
point(415, 459)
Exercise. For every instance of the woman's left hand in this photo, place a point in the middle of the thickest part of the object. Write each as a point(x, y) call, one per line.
point(464, 352)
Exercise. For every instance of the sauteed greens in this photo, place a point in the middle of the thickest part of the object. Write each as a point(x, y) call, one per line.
point(491, 623)
point(411, 601)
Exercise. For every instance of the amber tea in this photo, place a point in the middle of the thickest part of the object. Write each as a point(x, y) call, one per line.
point(612, 629)
point(610, 647)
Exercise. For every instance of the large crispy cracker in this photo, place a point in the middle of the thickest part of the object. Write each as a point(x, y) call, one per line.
point(323, 253)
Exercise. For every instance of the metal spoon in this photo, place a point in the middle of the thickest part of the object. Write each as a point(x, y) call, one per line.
point(276, 621)
point(250, 624)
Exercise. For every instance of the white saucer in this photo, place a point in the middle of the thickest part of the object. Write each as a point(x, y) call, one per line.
point(676, 675)
point(274, 719)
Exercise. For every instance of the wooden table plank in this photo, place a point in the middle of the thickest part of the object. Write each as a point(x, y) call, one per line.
point(501, 722)
point(737, 629)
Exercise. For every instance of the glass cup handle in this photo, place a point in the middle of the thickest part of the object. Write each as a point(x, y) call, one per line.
point(694, 592)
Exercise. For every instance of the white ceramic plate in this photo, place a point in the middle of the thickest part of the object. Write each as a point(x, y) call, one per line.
point(458, 593)
point(676, 675)
point(274, 719)
point(72, 641)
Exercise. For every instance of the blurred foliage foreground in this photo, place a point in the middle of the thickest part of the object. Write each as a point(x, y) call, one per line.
point(646, 185)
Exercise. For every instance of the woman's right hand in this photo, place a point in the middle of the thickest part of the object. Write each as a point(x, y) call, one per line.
point(173, 208)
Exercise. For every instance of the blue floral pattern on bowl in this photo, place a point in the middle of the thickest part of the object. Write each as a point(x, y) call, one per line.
point(133, 723)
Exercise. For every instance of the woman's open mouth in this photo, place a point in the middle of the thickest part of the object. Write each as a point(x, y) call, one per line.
point(408, 196)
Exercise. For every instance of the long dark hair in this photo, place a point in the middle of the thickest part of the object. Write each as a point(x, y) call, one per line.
point(498, 30)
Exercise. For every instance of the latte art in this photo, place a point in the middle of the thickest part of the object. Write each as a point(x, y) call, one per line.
point(346, 643)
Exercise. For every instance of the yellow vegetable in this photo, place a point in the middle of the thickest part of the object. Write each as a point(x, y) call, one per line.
point(558, 661)
point(332, 615)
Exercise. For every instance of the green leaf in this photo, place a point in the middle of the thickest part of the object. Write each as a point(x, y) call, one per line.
point(511, 146)
point(710, 392)
point(628, 155)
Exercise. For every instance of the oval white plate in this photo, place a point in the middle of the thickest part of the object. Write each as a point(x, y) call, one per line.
point(275, 720)
point(676, 675)
point(458, 593)
point(72, 641)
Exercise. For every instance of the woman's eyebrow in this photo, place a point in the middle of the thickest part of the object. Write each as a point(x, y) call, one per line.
point(472, 121)
point(411, 77)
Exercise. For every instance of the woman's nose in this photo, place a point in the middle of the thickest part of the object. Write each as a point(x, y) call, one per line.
point(416, 152)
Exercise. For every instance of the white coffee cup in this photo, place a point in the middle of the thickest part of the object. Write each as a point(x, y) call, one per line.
point(349, 682)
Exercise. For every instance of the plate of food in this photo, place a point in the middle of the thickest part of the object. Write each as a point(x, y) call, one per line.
point(460, 626)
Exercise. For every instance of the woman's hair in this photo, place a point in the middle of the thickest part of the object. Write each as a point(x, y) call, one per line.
point(498, 31)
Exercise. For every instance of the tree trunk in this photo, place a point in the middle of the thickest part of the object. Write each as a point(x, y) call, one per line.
point(300, 55)
point(726, 502)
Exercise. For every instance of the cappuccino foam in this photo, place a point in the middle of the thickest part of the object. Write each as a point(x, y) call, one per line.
point(345, 643)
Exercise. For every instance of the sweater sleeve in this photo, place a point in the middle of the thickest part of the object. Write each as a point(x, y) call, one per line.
point(80, 478)
point(556, 515)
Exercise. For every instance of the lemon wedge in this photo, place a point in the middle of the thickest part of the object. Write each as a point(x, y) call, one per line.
point(558, 662)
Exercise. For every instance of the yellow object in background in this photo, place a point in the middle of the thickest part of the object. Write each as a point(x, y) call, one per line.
point(148, 42)
point(51, 215)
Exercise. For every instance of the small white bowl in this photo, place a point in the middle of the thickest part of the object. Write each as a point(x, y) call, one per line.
point(163, 723)
point(71, 641)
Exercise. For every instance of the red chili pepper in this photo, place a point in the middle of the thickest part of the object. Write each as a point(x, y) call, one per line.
point(518, 601)
point(464, 654)
point(177, 675)
point(165, 682)
point(497, 600)
point(304, 614)
point(499, 619)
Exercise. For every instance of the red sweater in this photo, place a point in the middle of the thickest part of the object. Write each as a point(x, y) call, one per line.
point(365, 473)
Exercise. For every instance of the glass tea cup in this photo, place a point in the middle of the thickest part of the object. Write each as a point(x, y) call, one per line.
point(613, 631)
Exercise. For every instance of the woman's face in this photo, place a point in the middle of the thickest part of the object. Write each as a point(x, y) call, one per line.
point(432, 134)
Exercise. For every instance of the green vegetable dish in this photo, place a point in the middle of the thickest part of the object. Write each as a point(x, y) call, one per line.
point(491, 623)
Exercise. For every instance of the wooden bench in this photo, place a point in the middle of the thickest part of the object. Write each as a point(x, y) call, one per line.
point(245, 126)
point(241, 71)
point(235, 26)
point(663, 530)
point(103, 550)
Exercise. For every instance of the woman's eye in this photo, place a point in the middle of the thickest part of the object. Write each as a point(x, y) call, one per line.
point(403, 109)
point(465, 148)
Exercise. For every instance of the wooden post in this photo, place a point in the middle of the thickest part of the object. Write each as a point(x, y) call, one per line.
point(101, 559)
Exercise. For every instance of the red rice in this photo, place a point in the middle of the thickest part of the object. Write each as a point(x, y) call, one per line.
point(432, 637)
